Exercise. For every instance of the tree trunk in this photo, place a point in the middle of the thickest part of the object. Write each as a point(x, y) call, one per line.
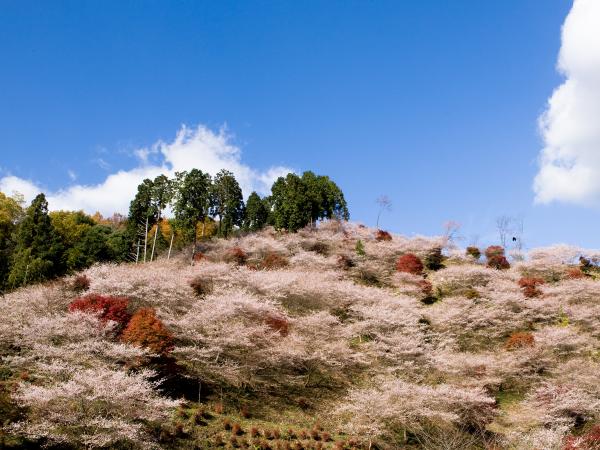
point(193, 248)
point(171, 244)
point(137, 253)
point(155, 235)
point(146, 240)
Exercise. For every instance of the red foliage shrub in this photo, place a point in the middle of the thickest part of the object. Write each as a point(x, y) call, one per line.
point(201, 286)
point(587, 441)
point(381, 235)
point(409, 263)
point(278, 323)
point(529, 285)
point(473, 251)
point(519, 340)
point(81, 283)
point(146, 330)
point(498, 262)
point(245, 411)
point(273, 260)
point(107, 307)
point(236, 255)
point(494, 250)
point(199, 256)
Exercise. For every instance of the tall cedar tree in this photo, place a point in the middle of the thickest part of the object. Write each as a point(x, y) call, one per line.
point(192, 201)
point(10, 215)
point(257, 213)
point(227, 202)
point(39, 250)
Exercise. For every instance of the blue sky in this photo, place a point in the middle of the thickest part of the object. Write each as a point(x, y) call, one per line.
point(433, 103)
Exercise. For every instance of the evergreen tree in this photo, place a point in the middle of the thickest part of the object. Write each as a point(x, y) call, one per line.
point(227, 202)
point(290, 202)
point(39, 250)
point(256, 214)
point(192, 201)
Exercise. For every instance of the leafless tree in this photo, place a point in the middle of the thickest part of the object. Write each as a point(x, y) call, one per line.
point(385, 204)
point(451, 232)
point(503, 226)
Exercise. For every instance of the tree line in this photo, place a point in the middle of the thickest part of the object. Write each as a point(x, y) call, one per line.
point(36, 244)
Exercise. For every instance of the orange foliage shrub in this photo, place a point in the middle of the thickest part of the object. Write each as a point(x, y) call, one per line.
point(381, 235)
point(529, 285)
point(409, 263)
point(107, 307)
point(146, 330)
point(273, 260)
point(575, 273)
point(519, 340)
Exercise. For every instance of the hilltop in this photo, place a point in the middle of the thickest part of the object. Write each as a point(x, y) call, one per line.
point(339, 336)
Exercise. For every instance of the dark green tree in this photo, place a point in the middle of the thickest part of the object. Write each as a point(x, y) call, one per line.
point(143, 214)
point(192, 201)
point(291, 205)
point(325, 197)
point(39, 250)
point(257, 213)
point(227, 202)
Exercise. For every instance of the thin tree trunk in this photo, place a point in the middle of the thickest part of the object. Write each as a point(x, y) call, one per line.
point(193, 248)
point(146, 240)
point(171, 244)
point(155, 234)
point(199, 391)
point(137, 253)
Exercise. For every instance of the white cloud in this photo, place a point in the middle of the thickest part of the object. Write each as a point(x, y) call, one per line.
point(570, 161)
point(72, 175)
point(192, 148)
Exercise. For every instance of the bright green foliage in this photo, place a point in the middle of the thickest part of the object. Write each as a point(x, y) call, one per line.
point(10, 214)
point(360, 248)
point(38, 252)
point(227, 202)
point(298, 201)
point(192, 200)
point(257, 213)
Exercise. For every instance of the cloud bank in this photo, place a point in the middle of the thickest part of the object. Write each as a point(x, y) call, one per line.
point(197, 147)
point(570, 161)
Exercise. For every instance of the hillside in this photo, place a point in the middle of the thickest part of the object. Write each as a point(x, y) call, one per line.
point(315, 339)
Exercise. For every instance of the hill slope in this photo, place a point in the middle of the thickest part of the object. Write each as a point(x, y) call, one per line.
point(302, 341)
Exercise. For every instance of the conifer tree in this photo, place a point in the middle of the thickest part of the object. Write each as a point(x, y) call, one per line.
point(10, 214)
point(257, 213)
point(192, 201)
point(227, 202)
point(39, 251)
